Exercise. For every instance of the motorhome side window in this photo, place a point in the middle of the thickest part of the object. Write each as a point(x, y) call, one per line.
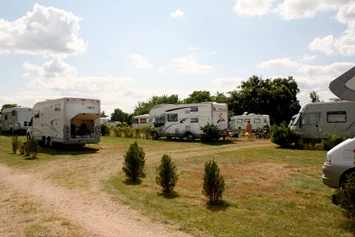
point(5, 116)
point(193, 120)
point(256, 120)
point(143, 120)
point(336, 117)
point(312, 118)
point(246, 120)
point(194, 109)
point(304, 118)
point(57, 107)
point(239, 120)
point(36, 114)
point(13, 113)
point(135, 121)
point(172, 117)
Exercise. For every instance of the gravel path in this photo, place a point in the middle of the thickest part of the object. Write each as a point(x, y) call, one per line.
point(95, 214)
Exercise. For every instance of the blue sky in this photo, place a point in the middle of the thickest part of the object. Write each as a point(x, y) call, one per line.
point(122, 52)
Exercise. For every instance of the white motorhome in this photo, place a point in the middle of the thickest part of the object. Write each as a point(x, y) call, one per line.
point(142, 120)
point(340, 159)
point(258, 121)
point(186, 120)
point(15, 119)
point(316, 120)
point(71, 121)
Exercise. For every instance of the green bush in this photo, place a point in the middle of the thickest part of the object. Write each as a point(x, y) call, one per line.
point(332, 140)
point(167, 174)
point(210, 133)
point(133, 165)
point(15, 144)
point(345, 196)
point(283, 135)
point(146, 131)
point(213, 182)
point(32, 147)
point(104, 130)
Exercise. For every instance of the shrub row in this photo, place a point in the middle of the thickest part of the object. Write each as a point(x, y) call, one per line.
point(133, 167)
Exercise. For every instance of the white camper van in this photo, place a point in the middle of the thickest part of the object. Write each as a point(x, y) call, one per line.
point(142, 120)
point(257, 121)
point(186, 120)
point(339, 162)
point(15, 119)
point(71, 121)
point(316, 120)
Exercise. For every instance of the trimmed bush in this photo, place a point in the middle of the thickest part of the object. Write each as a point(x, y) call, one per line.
point(167, 174)
point(213, 182)
point(15, 144)
point(32, 148)
point(283, 135)
point(210, 133)
point(345, 196)
point(104, 130)
point(133, 165)
point(332, 140)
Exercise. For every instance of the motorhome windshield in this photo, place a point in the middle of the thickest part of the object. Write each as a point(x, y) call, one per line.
point(294, 119)
point(159, 122)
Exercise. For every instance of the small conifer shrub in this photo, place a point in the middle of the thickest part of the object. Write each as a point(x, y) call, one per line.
point(213, 182)
point(15, 144)
point(345, 196)
point(133, 164)
point(167, 174)
point(32, 147)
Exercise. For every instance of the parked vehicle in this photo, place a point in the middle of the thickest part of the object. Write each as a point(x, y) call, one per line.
point(186, 120)
point(71, 121)
point(257, 121)
point(339, 163)
point(341, 87)
point(317, 120)
point(142, 120)
point(15, 119)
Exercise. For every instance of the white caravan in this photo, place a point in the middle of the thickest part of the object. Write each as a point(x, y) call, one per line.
point(257, 121)
point(319, 119)
point(142, 120)
point(15, 119)
point(186, 120)
point(339, 161)
point(71, 121)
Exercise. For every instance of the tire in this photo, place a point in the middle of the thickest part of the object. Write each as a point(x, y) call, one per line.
point(49, 142)
point(155, 135)
point(190, 137)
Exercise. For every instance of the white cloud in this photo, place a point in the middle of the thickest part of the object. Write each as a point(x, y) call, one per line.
point(162, 68)
point(279, 63)
point(329, 71)
point(324, 45)
point(193, 48)
point(140, 62)
point(177, 13)
point(52, 68)
point(45, 31)
point(308, 58)
point(253, 7)
point(189, 64)
point(225, 84)
point(292, 9)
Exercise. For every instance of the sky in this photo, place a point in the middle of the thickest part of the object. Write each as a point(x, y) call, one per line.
point(125, 52)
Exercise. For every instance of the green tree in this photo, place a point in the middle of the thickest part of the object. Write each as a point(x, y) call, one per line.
point(6, 106)
point(275, 97)
point(213, 182)
point(120, 116)
point(314, 97)
point(220, 98)
point(144, 107)
point(198, 97)
point(133, 164)
point(167, 174)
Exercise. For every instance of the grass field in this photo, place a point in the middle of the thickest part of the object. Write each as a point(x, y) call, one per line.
point(269, 191)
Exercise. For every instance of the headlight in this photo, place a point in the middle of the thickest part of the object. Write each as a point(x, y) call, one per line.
point(328, 159)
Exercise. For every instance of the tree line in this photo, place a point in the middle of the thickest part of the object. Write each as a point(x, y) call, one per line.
point(275, 97)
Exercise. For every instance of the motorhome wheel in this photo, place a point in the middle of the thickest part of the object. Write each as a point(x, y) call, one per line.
point(155, 135)
point(49, 142)
point(190, 137)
